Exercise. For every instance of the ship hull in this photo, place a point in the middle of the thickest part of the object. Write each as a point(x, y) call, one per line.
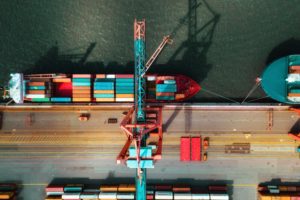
point(99, 88)
point(281, 80)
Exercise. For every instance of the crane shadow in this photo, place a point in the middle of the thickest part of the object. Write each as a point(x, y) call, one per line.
point(190, 57)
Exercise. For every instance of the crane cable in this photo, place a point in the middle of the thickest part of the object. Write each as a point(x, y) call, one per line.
point(219, 95)
point(256, 85)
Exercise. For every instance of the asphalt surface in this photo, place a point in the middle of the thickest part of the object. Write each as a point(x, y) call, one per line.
point(55, 145)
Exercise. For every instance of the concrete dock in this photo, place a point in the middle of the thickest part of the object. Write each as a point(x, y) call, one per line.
point(38, 145)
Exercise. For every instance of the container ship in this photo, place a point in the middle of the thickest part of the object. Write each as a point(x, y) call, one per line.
point(281, 79)
point(93, 88)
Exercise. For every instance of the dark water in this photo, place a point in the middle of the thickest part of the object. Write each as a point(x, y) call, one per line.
point(223, 45)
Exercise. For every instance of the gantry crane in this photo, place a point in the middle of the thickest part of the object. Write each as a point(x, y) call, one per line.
point(141, 121)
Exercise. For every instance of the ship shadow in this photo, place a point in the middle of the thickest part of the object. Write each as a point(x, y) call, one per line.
point(288, 47)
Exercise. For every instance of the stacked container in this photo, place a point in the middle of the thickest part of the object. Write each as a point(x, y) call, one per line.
point(62, 90)
point(37, 91)
point(151, 87)
point(8, 191)
point(124, 88)
point(104, 88)
point(81, 85)
point(166, 88)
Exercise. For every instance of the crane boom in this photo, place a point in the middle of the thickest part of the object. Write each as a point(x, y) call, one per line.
point(166, 40)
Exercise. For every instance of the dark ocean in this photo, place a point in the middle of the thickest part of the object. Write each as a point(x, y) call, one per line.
point(222, 44)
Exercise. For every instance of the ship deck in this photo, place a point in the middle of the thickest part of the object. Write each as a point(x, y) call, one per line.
point(55, 145)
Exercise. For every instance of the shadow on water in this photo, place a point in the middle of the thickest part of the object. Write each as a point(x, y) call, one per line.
point(191, 56)
point(288, 47)
point(296, 127)
point(55, 62)
point(279, 182)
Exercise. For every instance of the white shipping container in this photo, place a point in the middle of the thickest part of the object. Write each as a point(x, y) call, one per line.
point(200, 197)
point(124, 99)
point(219, 197)
point(107, 195)
point(110, 76)
point(183, 196)
point(151, 78)
point(36, 96)
point(168, 195)
point(54, 193)
point(71, 196)
point(123, 195)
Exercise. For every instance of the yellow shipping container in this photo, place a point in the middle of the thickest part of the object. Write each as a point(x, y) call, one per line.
point(124, 95)
point(53, 198)
point(6, 195)
point(79, 99)
point(285, 198)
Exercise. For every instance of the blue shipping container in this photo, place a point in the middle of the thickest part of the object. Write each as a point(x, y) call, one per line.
point(166, 88)
point(81, 83)
point(104, 95)
point(36, 87)
point(100, 87)
point(61, 99)
point(167, 98)
point(81, 80)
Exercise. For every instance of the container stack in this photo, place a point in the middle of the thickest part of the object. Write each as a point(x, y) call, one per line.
point(8, 191)
point(81, 85)
point(104, 88)
point(127, 191)
point(62, 90)
point(124, 88)
point(151, 87)
point(37, 91)
point(166, 88)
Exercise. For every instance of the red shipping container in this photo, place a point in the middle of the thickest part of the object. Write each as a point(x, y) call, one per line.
point(217, 188)
point(196, 149)
point(163, 187)
point(124, 75)
point(54, 188)
point(295, 197)
point(36, 83)
point(185, 149)
point(150, 196)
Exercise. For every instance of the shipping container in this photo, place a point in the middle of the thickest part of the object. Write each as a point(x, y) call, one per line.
point(107, 195)
point(6, 195)
point(36, 83)
point(73, 188)
point(53, 193)
point(105, 99)
point(61, 99)
point(166, 195)
point(166, 88)
point(81, 83)
point(36, 87)
point(40, 99)
point(54, 188)
point(109, 188)
point(71, 196)
point(100, 76)
point(81, 99)
point(35, 92)
point(124, 99)
point(219, 196)
point(123, 195)
point(104, 91)
point(182, 196)
point(124, 75)
point(53, 198)
point(61, 80)
point(198, 196)
point(89, 195)
point(81, 75)
point(104, 95)
point(185, 149)
point(196, 149)
point(124, 95)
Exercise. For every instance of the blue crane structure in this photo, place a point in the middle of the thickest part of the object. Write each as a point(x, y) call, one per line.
point(142, 122)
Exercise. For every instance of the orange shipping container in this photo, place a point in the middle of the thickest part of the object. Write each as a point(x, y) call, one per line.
point(164, 93)
point(35, 92)
point(36, 83)
point(296, 67)
point(179, 96)
point(81, 91)
point(105, 99)
point(124, 95)
point(100, 75)
point(61, 80)
point(81, 88)
point(104, 92)
point(81, 95)
point(82, 76)
point(53, 198)
point(81, 99)
point(294, 94)
point(6, 195)
point(108, 188)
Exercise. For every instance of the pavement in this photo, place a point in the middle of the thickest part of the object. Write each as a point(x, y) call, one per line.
point(53, 145)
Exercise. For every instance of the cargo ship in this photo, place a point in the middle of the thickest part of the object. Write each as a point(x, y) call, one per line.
point(93, 88)
point(281, 79)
